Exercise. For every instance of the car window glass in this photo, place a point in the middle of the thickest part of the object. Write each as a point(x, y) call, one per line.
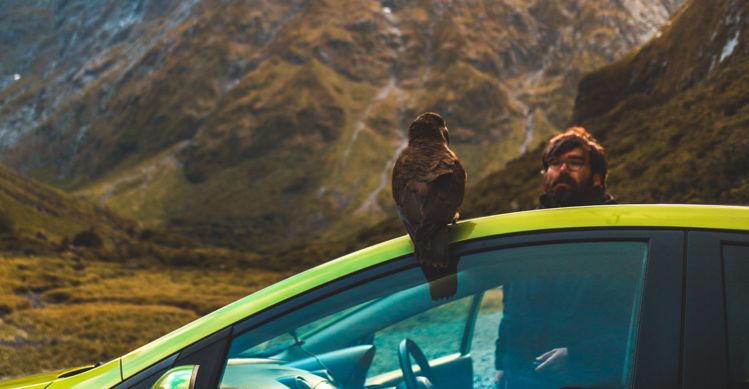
point(548, 303)
point(584, 297)
point(438, 331)
point(285, 340)
point(485, 337)
point(736, 275)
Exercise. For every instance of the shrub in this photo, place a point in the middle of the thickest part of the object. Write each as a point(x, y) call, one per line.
point(185, 258)
point(88, 239)
point(6, 224)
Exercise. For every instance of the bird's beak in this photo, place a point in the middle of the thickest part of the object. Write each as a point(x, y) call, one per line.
point(447, 136)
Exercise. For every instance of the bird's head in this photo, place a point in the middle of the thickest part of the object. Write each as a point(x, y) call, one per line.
point(428, 127)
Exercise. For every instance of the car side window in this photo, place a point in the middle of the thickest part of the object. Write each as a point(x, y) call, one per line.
point(736, 276)
point(583, 297)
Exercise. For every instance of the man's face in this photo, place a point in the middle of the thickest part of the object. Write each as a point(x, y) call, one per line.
point(569, 177)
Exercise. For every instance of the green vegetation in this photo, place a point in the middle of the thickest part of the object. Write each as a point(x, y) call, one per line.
point(277, 164)
point(676, 132)
point(80, 284)
point(66, 312)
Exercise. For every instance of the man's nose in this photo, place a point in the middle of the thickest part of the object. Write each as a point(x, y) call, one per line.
point(564, 167)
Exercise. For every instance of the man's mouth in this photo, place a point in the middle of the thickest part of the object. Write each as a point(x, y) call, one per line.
point(563, 183)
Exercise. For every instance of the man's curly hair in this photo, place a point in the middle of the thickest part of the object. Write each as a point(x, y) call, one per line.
point(577, 137)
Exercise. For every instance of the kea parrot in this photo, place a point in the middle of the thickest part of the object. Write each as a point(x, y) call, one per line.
point(428, 187)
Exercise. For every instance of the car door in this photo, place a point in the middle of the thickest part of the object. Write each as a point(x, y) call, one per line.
point(628, 280)
point(716, 323)
point(208, 353)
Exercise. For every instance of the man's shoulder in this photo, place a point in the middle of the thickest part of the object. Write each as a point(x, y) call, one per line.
point(607, 199)
point(599, 197)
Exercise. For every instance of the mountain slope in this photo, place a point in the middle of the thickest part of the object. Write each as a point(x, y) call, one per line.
point(260, 124)
point(678, 132)
point(667, 141)
point(42, 217)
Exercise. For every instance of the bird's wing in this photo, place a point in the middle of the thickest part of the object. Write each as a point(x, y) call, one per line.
point(445, 195)
point(407, 192)
point(399, 179)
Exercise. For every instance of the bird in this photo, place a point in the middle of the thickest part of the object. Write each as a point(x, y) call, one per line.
point(428, 187)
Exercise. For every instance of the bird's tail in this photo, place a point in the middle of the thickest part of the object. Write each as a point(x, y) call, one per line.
point(434, 249)
point(443, 282)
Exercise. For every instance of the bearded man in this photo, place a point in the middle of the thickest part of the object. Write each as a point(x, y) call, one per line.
point(575, 168)
point(534, 350)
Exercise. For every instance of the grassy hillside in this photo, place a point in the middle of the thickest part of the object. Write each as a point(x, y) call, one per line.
point(289, 156)
point(80, 284)
point(677, 131)
point(58, 312)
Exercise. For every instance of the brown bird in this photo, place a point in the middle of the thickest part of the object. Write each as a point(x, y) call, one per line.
point(428, 187)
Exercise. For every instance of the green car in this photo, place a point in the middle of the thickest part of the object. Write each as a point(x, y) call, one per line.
point(628, 296)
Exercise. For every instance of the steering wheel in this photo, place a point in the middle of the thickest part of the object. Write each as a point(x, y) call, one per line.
point(408, 347)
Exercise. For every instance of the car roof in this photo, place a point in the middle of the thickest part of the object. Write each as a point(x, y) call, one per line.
point(609, 216)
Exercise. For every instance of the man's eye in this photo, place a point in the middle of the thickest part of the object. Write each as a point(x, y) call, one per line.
point(576, 164)
point(555, 163)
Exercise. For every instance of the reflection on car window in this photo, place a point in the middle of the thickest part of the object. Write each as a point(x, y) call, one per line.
point(317, 325)
point(736, 275)
point(282, 342)
point(485, 336)
point(271, 346)
point(580, 306)
point(437, 331)
point(581, 297)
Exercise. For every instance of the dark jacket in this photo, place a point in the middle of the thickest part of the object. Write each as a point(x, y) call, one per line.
point(587, 314)
point(597, 197)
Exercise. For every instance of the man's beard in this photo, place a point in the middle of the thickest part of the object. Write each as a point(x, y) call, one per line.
point(572, 194)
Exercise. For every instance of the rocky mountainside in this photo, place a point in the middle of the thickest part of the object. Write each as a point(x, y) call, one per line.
point(673, 116)
point(260, 124)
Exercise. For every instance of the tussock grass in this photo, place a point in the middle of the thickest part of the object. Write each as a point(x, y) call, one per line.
point(58, 336)
point(61, 312)
point(193, 290)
